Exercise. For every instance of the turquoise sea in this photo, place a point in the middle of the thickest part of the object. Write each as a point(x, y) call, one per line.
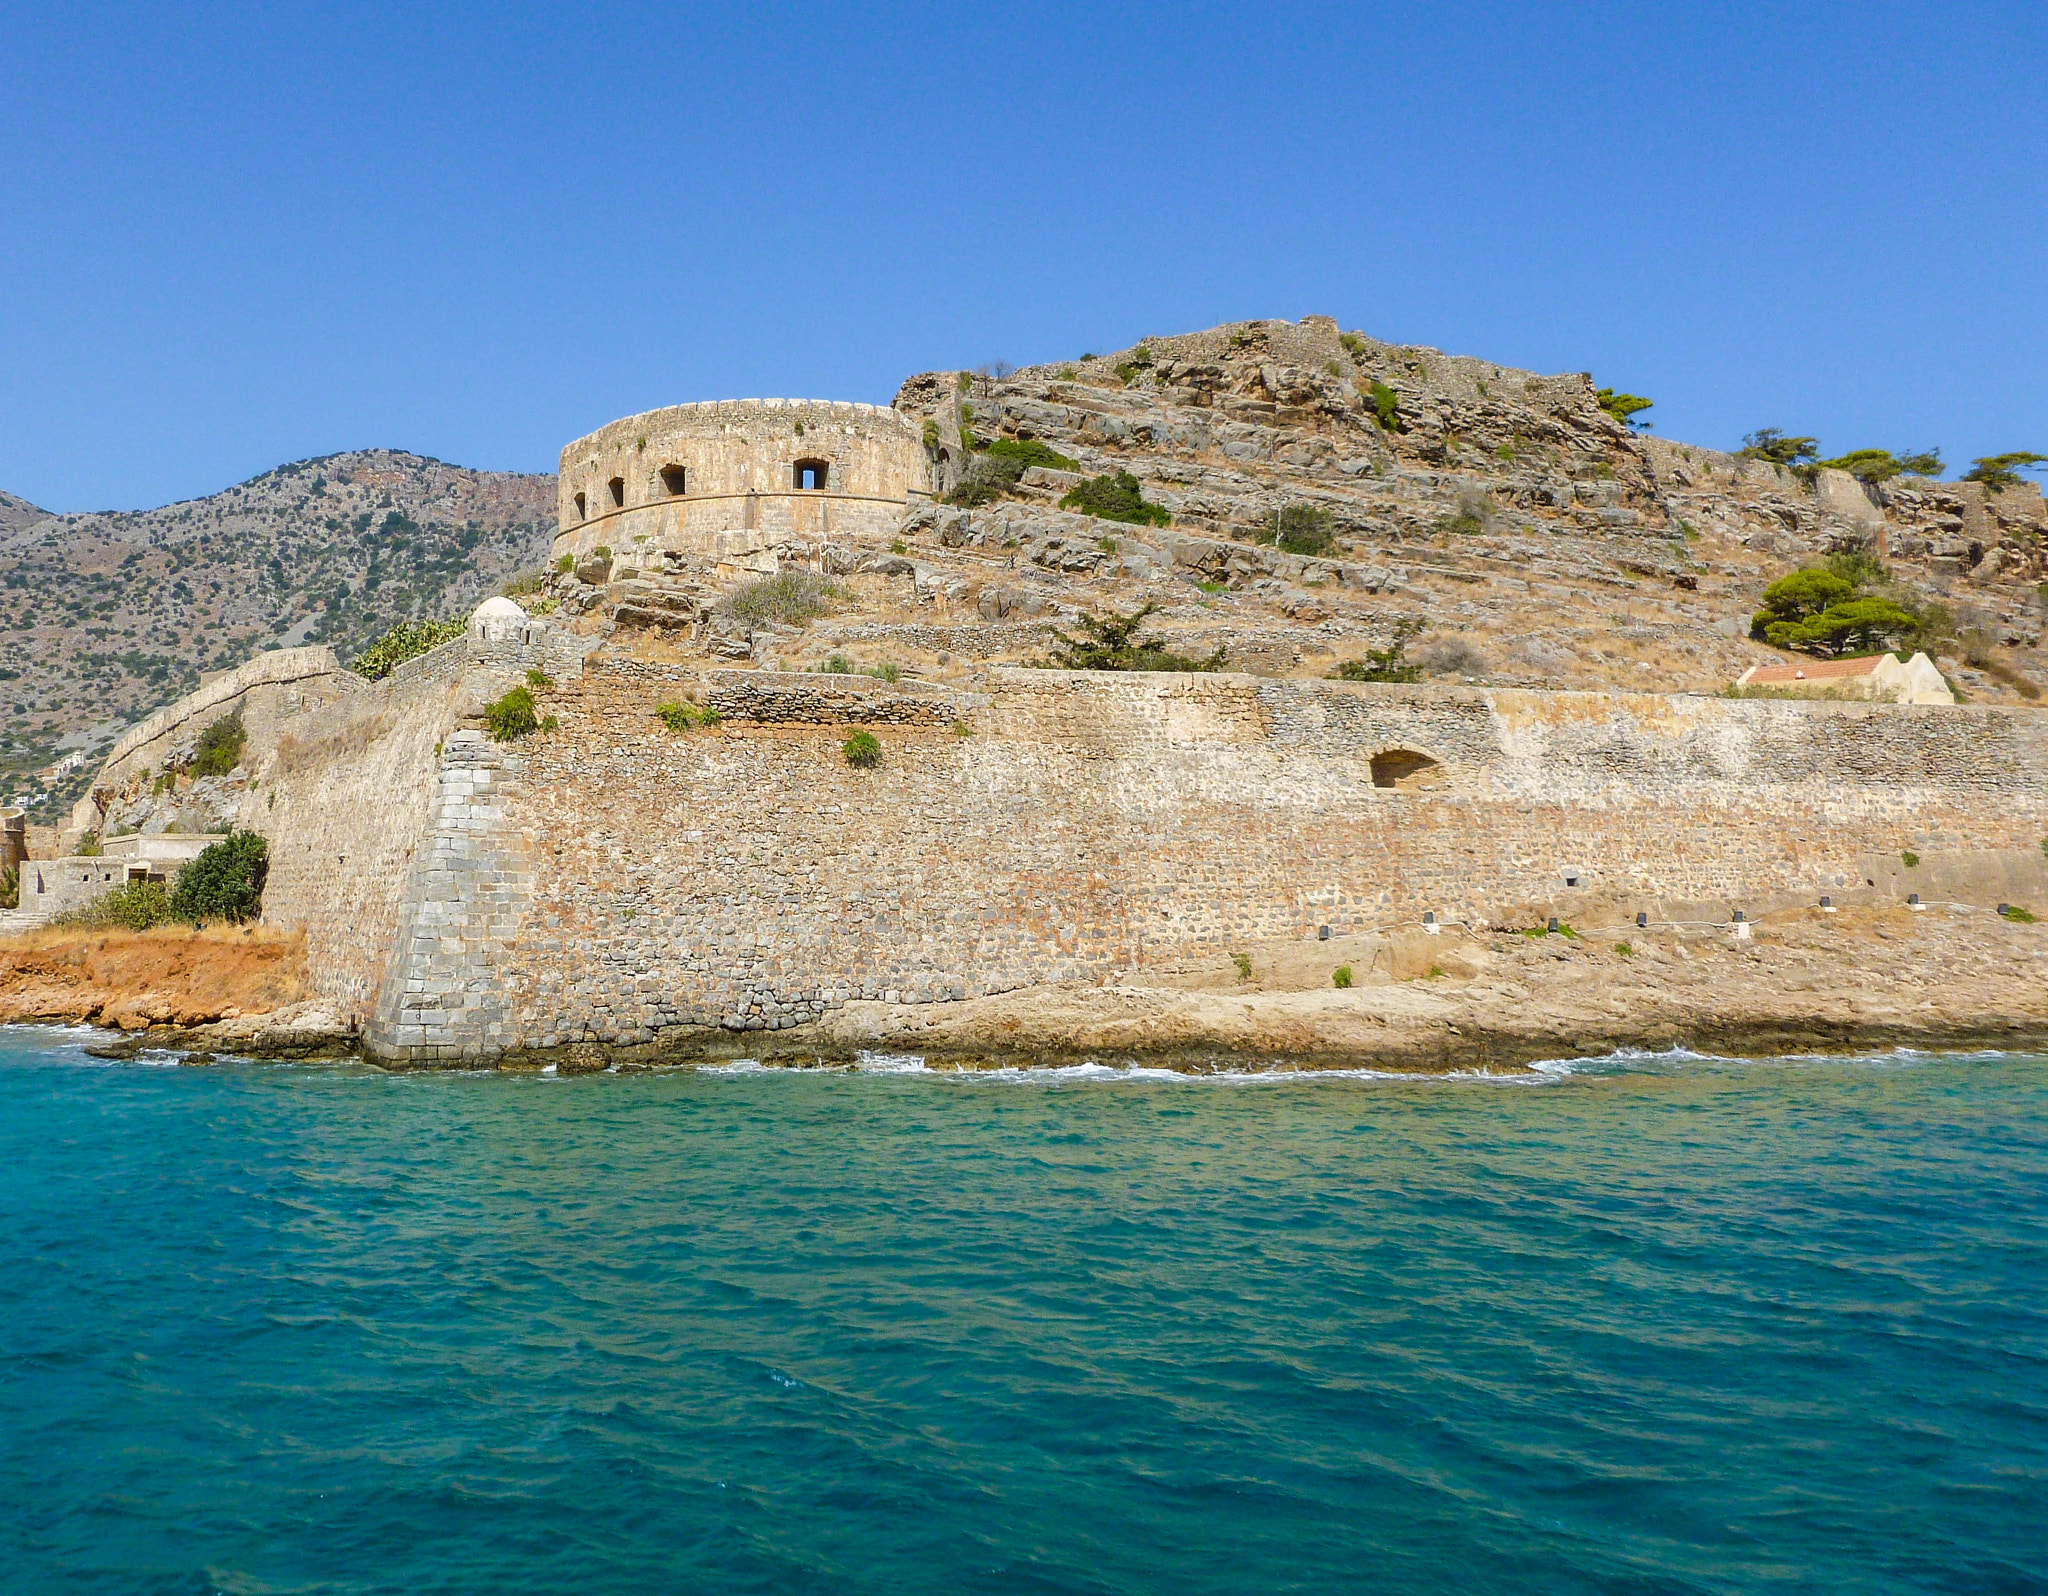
point(1649, 1325)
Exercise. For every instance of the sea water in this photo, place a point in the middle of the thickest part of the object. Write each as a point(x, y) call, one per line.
point(1662, 1324)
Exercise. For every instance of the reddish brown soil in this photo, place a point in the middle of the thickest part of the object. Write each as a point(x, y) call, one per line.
point(133, 979)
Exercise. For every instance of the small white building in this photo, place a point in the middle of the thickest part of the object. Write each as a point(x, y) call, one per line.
point(1879, 679)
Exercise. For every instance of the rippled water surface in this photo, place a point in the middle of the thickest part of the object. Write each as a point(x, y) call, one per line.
point(1660, 1325)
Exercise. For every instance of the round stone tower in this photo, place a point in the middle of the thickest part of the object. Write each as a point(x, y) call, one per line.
point(727, 477)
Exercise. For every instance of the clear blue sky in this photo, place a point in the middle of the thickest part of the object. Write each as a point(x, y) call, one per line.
point(233, 235)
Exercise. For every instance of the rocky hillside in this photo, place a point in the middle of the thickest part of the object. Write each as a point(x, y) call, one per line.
point(1492, 525)
point(105, 616)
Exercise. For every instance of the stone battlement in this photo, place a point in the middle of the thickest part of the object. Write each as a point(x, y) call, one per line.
point(726, 477)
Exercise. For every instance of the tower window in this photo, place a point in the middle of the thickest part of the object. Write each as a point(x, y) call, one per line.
point(676, 479)
point(582, 509)
point(618, 487)
point(809, 475)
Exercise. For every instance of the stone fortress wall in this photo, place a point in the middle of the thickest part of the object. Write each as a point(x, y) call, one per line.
point(727, 479)
point(609, 881)
point(619, 884)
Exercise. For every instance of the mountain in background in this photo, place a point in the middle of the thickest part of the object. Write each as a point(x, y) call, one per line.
point(105, 617)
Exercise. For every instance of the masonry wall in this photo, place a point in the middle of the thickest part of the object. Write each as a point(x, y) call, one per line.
point(347, 799)
point(619, 883)
point(269, 690)
point(740, 458)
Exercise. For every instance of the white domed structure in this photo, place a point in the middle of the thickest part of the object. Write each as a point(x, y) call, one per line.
point(498, 620)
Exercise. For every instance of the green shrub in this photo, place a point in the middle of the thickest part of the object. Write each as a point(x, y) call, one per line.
point(219, 748)
point(931, 436)
point(10, 885)
point(1382, 664)
point(1354, 346)
point(2016, 914)
point(1386, 405)
point(899, 547)
point(1625, 950)
point(788, 597)
point(887, 671)
point(1910, 859)
point(1243, 961)
point(89, 845)
point(1997, 471)
point(407, 640)
point(1772, 447)
point(133, 906)
point(1028, 452)
point(512, 716)
point(1303, 529)
point(681, 717)
point(1115, 497)
point(962, 729)
point(1106, 543)
point(1111, 643)
point(997, 467)
point(837, 665)
point(1623, 406)
point(1140, 361)
point(225, 882)
point(1881, 465)
point(601, 552)
point(539, 678)
point(566, 564)
point(1341, 976)
point(862, 751)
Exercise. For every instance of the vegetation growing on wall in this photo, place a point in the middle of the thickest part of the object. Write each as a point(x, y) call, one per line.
point(682, 717)
point(219, 748)
point(511, 717)
point(862, 750)
point(407, 640)
point(1111, 643)
point(1116, 497)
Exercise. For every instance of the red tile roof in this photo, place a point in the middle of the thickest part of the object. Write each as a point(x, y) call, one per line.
point(1816, 670)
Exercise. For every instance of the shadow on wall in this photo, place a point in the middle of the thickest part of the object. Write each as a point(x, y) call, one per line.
point(1406, 770)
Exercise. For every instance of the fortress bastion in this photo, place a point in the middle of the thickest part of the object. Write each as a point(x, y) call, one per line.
point(725, 479)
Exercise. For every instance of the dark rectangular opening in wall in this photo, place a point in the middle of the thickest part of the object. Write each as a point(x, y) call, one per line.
point(676, 480)
point(582, 509)
point(618, 489)
point(810, 475)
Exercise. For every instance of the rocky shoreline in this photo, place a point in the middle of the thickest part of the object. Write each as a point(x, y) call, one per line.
point(1864, 980)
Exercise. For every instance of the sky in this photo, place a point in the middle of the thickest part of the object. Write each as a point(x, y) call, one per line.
point(236, 235)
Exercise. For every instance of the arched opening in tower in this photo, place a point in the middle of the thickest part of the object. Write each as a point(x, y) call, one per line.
point(809, 475)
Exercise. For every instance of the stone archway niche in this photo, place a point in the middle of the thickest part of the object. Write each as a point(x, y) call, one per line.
point(1406, 770)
